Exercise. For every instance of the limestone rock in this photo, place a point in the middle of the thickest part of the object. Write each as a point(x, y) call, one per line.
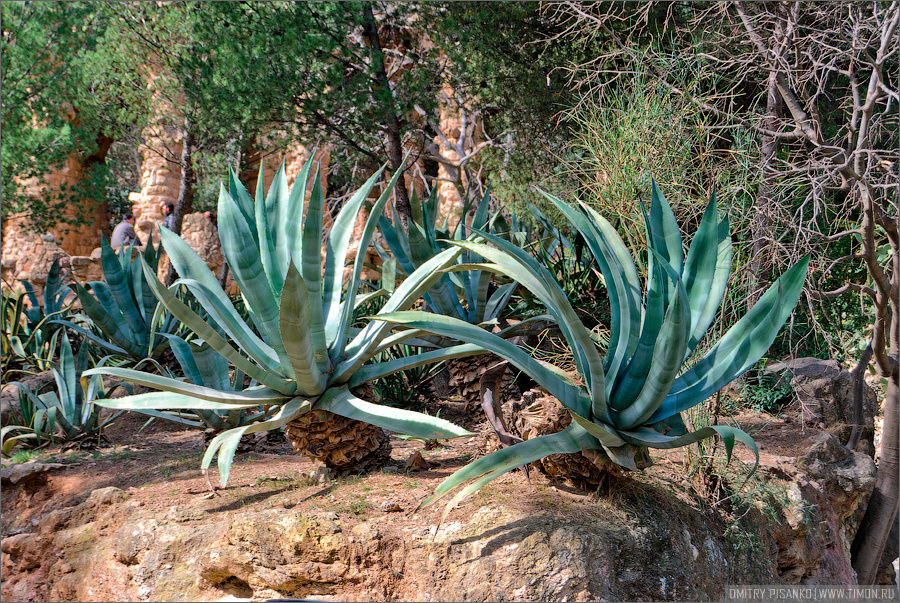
point(23, 472)
point(107, 546)
point(828, 489)
point(825, 394)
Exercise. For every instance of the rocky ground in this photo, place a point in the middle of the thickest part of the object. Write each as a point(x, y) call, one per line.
point(137, 521)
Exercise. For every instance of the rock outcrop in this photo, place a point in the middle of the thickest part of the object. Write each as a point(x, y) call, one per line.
point(827, 489)
point(107, 547)
point(824, 392)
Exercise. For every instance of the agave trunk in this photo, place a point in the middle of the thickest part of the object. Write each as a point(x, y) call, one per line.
point(465, 378)
point(344, 445)
point(536, 413)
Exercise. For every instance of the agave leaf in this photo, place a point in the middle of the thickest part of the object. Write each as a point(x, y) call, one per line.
point(361, 348)
point(490, 467)
point(208, 334)
point(605, 434)
point(299, 339)
point(342, 402)
point(643, 389)
point(290, 219)
point(311, 270)
point(185, 357)
point(51, 287)
point(706, 273)
point(631, 378)
point(336, 346)
point(177, 418)
point(651, 438)
point(200, 280)
point(146, 303)
point(666, 357)
point(107, 321)
point(498, 301)
point(621, 279)
point(256, 396)
point(225, 444)
point(214, 367)
point(665, 234)
point(455, 328)
point(242, 198)
point(740, 348)
point(66, 374)
point(370, 372)
point(241, 252)
point(98, 340)
point(521, 267)
point(230, 321)
point(118, 283)
point(266, 217)
point(168, 400)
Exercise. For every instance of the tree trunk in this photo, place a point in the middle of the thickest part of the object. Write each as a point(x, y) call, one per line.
point(871, 539)
point(185, 202)
point(394, 134)
point(760, 268)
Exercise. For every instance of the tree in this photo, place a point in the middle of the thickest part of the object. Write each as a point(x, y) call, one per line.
point(47, 109)
point(351, 73)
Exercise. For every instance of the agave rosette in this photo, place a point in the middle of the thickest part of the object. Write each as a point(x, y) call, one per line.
point(632, 399)
point(426, 239)
point(301, 347)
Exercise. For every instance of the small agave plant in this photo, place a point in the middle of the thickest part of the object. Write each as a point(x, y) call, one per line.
point(202, 365)
point(123, 307)
point(425, 240)
point(482, 303)
point(632, 399)
point(68, 413)
point(301, 347)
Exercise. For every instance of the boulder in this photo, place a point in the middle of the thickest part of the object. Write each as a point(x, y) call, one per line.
point(109, 548)
point(826, 489)
point(824, 392)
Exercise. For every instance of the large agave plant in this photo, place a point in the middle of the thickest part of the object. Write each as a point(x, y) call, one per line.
point(301, 347)
point(630, 400)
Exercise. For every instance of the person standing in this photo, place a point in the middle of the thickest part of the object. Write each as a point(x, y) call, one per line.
point(123, 233)
point(168, 210)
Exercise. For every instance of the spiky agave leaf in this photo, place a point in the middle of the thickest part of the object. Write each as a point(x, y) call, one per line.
point(122, 306)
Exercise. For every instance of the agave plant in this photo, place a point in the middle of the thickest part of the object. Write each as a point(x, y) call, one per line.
point(424, 240)
point(55, 296)
point(24, 343)
point(301, 347)
point(123, 308)
point(67, 414)
point(481, 306)
point(632, 399)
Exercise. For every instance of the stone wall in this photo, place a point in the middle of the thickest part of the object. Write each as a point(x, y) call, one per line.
point(27, 254)
point(160, 180)
point(34, 255)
